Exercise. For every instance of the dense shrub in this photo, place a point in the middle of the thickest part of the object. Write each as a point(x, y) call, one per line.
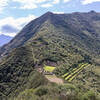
point(90, 95)
point(41, 91)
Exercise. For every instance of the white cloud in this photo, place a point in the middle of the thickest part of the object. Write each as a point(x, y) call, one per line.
point(50, 4)
point(46, 5)
point(32, 4)
point(30, 1)
point(15, 23)
point(58, 12)
point(26, 4)
point(66, 0)
point(56, 1)
point(29, 4)
point(84, 2)
point(10, 34)
point(3, 3)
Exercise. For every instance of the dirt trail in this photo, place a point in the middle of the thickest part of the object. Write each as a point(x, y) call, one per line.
point(53, 78)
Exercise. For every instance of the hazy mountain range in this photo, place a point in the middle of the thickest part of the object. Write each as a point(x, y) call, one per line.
point(4, 39)
point(62, 40)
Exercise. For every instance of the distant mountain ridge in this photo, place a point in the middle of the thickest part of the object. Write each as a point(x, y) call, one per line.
point(4, 39)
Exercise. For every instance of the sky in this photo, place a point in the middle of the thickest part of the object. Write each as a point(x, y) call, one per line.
point(15, 14)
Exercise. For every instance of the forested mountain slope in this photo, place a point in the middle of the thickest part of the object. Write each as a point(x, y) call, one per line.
point(65, 41)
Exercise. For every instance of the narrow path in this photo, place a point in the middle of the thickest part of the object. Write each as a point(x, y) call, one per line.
point(32, 52)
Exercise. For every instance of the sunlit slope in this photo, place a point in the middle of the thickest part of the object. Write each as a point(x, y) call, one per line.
point(49, 68)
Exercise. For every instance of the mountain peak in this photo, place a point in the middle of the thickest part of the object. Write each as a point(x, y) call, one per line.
point(48, 13)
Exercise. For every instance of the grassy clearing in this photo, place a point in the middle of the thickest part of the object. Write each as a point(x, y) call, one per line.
point(49, 68)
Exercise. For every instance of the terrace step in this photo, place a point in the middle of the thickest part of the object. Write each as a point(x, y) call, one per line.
point(74, 72)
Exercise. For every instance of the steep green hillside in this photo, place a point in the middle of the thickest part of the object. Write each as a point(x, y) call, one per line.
point(64, 41)
point(55, 92)
point(17, 73)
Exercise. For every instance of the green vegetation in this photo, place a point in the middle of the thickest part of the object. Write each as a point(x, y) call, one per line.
point(56, 92)
point(65, 41)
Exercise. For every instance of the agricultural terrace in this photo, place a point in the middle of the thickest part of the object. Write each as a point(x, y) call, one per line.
point(69, 76)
